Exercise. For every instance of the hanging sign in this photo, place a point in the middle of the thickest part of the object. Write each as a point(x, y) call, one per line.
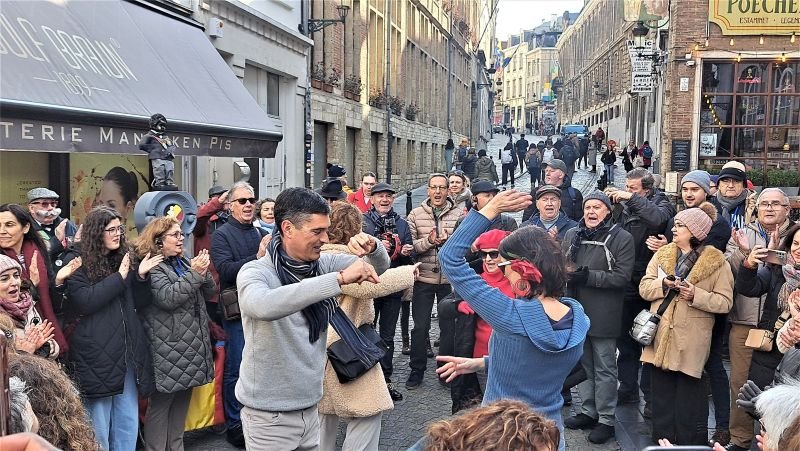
point(641, 65)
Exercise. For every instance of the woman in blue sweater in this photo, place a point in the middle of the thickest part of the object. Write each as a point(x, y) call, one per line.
point(538, 337)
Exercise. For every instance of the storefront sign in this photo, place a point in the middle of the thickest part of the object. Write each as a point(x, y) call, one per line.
point(749, 17)
point(681, 149)
point(641, 66)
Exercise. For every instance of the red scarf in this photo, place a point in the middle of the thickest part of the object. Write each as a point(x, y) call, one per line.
point(18, 310)
point(45, 304)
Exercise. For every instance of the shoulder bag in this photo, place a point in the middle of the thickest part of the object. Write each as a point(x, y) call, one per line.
point(345, 362)
point(763, 339)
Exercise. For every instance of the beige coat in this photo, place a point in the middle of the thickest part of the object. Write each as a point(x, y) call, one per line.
point(421, 221)
point(367, 395)
point(683, 340)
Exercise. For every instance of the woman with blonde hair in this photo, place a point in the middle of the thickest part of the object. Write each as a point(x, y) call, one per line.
point(176, 324)
point(360, 402)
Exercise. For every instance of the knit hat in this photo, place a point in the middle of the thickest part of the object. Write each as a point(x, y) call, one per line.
point(41, 193)
point(335, 170)
point(598, 195)
point(698, 220)
point(701, 178)
point(558, 164)
point(7, 263)
point(715, 179)
point(491, 239)
point(733, 170)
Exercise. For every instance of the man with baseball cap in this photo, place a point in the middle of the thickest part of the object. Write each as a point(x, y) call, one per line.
point(56, 232)
point(738, 203)
point(571, 199)
point(549, 215)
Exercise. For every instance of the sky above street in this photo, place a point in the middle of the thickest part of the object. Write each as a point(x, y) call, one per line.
point(516, 15)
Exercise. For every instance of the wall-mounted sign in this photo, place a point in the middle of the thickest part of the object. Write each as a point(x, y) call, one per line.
point(684, 84)
point(681, 161)
point(749, 17)
point(641, 66)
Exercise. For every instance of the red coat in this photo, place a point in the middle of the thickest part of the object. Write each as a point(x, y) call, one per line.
point(202, 239)
point(357, 198)
point(483, 331)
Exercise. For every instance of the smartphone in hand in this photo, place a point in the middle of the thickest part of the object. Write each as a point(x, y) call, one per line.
point(776, 257)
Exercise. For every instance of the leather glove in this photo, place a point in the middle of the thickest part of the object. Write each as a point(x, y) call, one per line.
point(464, 308)
point(579, 277)
point(746, 400)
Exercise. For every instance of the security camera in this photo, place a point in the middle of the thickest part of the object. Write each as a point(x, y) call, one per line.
point(690, 63)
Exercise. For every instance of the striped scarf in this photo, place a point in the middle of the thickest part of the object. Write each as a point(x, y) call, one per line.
point(319, 314)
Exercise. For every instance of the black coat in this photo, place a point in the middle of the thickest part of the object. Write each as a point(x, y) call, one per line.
point(233, 245)
point(643, 217)
point(372, 227)
point(106, 329)
point(571, 202)
point(465, 391)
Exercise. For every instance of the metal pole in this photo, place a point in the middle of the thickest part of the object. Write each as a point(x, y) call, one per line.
point(308, 127)
point(449, 89)
point(388, 47)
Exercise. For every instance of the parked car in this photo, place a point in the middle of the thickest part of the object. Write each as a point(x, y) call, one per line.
point(579, 129)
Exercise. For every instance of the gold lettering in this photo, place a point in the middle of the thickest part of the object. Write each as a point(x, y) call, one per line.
point(26, 131)
point(227, 144)
point(28, 28)
point(195, 143)
point(185, 142)
point(214, 140)
point(47, 132)
point(123, 139)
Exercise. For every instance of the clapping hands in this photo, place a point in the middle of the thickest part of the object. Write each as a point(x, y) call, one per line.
point(200, 262)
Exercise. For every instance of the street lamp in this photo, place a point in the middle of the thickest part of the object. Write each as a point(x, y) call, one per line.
point(640, 33)
point(318, 24)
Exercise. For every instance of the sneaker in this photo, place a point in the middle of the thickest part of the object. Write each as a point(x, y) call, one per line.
point(414, 380)
point(393, 393)
point(601, 434)
point(580, 421)
point(406, 350)
point(235, 436)
point(627, 398)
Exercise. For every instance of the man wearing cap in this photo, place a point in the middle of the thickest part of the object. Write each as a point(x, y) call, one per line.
point(643, 211)
point(602, 254)
point(549, 215)
point(332, 190)
point(361, 197)
point(55, 231)
point(571, 199)
point(431, 224)
point(738, 203)
point(211, 216)
point(382, 222)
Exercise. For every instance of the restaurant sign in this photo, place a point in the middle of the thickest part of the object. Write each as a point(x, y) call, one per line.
point(755, 17)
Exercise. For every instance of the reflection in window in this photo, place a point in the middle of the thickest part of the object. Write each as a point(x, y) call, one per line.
point(784, 79)
point(751, 78)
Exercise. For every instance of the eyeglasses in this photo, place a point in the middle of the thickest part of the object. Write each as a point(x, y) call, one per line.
point(491, 254)
point(771, 205)
point(244, 200)
point(46, 203)
point(115, 230)
point(177, 234)
point(438, 188)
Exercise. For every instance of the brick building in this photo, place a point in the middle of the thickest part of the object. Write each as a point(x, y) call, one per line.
point(412, 58)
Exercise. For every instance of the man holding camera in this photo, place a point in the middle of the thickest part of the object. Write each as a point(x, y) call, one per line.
point(382, 222)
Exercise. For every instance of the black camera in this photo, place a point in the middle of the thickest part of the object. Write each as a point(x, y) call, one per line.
point(387, 231)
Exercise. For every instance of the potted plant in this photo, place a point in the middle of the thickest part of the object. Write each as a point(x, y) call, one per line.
point(396, 105)
point(333, 80)
point(318, 75)
point(352, 87)
point(377, 98)
point(412, 110)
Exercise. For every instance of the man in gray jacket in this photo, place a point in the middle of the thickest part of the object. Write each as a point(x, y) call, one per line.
point(287, 300)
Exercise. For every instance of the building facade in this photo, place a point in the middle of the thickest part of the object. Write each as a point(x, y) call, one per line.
point(391, 85)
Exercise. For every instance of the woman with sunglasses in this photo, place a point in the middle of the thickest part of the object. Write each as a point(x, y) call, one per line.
point(537, 335)
point(109, 356)
point(176, 324)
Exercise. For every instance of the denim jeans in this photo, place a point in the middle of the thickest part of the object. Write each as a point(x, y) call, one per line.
point(115, 419)
point(536, 174)
point(387, 309)
point(233, 359)
point(609, 173)
point(421, 307)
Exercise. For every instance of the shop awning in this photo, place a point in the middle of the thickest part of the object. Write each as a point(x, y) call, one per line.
point(85, 76)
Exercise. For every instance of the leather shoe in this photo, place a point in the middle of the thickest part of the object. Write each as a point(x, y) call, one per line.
point(601, 434)
point(430, 351)
point(580, 421)
point(235, 436)
point(393, 393)
point(414, 380)
point(406, 350)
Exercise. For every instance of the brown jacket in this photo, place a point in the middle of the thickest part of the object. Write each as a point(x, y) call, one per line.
point(367, 395)
point(683, 340)
point(421, 221)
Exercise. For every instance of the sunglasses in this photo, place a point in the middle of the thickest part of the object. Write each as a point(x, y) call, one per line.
point(244, 200)
point(490, 254)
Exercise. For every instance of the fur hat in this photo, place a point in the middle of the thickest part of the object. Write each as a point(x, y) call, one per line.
point(699, 219)
point(7, 263)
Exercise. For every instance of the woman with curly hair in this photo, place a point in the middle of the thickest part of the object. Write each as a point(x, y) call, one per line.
point(176, 324)
point(110, 360)
point(55, 402)
point(506, 424)
point(360, 402)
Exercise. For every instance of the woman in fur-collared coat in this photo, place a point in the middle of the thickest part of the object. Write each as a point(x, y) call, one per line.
point(702, 286)
point(360, 402)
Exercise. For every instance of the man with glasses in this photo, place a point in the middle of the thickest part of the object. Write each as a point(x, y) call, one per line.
point(431, 224)
point(738, 203)
point(361, 198)
point(232, 245)
point(56, 232)
point(772, 217)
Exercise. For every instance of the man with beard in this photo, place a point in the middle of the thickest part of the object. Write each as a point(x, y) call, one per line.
point(382, 222)
point(549, 215)
point(56, 232)
point(431, 224)
point(603, 255)
point(772, 216)
point(232, 245)
point(642, 210)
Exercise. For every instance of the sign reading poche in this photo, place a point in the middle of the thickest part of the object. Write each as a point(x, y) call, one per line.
point(749, 17)
point(641, 66)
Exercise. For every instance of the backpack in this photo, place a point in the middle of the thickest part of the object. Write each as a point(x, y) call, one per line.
point(647, 152)
point(610, 260)
point(505, 156)
point(534, 159)
point(569, 155)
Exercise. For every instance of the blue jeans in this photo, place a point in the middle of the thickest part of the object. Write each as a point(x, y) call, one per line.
point(233, 359)
point(610, 173)
point(115, 419)
point(448, 160)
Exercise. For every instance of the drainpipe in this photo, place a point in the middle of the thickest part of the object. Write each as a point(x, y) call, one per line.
point(449, 87)
point(308, 127)
point(389, 136)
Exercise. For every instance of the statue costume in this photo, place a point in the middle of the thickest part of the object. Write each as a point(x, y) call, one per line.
point(161, 152)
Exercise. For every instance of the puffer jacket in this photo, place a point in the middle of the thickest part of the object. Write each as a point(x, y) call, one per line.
point(105, 329)
point(485, 169)
point(746, 309)
point(177, 325)
point(422, 220)
point(367, 395)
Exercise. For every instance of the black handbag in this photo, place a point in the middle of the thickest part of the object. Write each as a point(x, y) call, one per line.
point(344, 361)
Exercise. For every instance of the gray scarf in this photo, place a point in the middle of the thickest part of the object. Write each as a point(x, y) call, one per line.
point(728, 205)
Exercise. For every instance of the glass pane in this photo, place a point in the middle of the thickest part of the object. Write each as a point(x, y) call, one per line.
point(784, 77)
point(785, 110)
point(750, 110)
point(752, 77)
point(716, 110)
point(715, 142)
point(748, 141)
point(783, 142)
point(718, 77)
